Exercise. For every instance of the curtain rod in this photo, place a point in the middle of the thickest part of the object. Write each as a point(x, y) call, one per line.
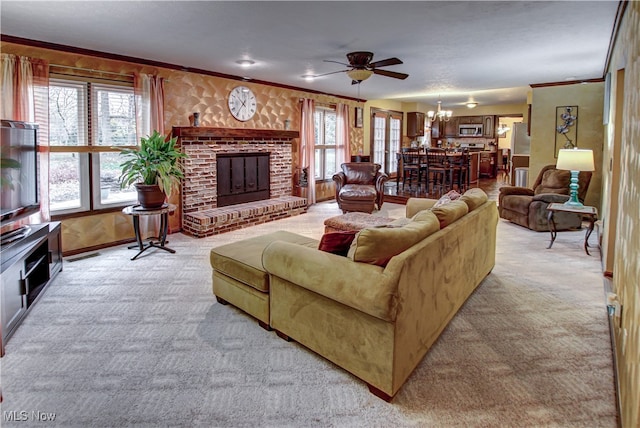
point(92, 70)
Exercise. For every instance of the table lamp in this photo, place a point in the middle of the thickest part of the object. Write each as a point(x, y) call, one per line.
point(575, 160)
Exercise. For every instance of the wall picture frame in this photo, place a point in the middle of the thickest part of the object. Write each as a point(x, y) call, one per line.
point(566, 128)
point(358, 117)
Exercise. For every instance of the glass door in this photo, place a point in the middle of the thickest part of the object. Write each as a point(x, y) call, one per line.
point(386, 136)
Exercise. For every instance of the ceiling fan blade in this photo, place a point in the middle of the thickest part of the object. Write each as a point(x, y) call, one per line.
point(385, 62)
point(337, 62)
point(331, 72)
point(393, 74)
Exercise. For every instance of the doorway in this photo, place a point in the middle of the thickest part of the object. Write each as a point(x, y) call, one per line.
point(511, 139)
point(386, 135)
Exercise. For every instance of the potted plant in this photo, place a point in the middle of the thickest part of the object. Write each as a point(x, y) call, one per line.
point(153, 168)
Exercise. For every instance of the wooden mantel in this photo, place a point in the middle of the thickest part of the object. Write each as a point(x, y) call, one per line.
point(203, 131)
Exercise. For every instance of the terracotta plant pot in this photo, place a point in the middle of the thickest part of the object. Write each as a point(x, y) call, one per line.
point(150, 196)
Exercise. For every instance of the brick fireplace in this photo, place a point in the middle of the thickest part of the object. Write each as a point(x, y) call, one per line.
point(202, 214)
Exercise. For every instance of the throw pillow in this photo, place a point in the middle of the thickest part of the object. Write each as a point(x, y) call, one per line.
point(450, 212)
point(451, 195)
point(474, 198)
point(337, 242)
point(444, 200)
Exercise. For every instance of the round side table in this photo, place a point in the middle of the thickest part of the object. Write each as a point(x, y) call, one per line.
point(156, 242)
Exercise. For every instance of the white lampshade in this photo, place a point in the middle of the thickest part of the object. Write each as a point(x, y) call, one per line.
point(575, 160)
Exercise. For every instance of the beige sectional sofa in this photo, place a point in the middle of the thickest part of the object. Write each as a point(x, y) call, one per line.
point(377, 311)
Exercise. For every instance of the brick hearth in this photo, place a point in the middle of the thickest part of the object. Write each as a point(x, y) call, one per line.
point(200, 213)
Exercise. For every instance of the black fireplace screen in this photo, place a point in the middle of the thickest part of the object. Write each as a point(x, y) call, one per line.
point(242, 177)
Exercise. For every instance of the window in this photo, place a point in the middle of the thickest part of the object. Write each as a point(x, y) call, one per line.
point(87, 120)
point(325, 137)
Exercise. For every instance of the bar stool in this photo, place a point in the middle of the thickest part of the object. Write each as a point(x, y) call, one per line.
point(460, 169)
point(411, 168)
point(438, 171)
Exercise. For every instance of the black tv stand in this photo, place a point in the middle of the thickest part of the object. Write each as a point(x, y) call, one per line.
point(15, 235)
point(31, 258)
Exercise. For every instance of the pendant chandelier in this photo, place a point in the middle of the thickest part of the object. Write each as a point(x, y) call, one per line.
point(443, 115)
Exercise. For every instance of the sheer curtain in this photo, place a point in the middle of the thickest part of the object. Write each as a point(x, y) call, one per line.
point(24, 83)
point(149, 92)
point(343, 148)
point(306, 159)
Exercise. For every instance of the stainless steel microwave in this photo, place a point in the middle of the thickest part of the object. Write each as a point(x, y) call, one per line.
point(470, 130)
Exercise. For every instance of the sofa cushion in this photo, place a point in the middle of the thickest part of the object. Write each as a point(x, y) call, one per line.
point(399, 222)
point(450, 212)
point(378, 245)
point(424, 215)
point(474, 198)
point(242, 260)
point(358, 192)
point(337, 242)
point(517, 203)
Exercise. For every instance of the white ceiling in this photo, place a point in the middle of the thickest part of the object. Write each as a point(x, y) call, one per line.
point(484, 51)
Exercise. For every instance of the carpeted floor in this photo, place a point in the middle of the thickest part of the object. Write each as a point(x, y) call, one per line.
point(115, 342)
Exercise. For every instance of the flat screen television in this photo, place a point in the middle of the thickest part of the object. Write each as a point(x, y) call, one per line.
point(19, 196)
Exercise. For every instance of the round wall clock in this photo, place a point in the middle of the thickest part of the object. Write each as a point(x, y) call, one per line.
point(242, 103)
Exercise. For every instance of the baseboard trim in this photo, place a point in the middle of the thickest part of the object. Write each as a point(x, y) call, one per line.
point(614, 353)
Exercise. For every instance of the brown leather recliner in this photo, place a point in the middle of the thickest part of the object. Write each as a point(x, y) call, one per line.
point(528, 207)
point(360, 186)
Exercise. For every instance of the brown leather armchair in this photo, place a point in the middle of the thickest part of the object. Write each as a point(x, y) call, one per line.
point(528, 207)
point(360, 186)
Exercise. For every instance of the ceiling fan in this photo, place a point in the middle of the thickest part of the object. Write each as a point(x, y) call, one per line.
point(361, 67)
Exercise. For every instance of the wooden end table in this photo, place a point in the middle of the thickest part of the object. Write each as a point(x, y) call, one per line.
point(590, 212)
point(156, 242)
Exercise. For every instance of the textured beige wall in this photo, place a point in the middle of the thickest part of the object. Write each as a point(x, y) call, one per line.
point(626, 266)
point(186, 93)
point(590, 131)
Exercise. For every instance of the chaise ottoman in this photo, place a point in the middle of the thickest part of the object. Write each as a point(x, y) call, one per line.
point(354, 221)
point(238, 275)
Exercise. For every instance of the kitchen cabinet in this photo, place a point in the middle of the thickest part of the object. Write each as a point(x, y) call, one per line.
point(415, 124)
point(474, 166)
point(470, 120)
point(488, 126)
point(488, 164)
point(451, 128)
point(436, 132)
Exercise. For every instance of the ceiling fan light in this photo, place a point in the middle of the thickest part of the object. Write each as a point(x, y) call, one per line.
point(245, 62)
point(359, 74)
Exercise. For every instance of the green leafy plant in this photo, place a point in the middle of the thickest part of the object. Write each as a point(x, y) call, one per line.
point(156, 161)
point(5, 175)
